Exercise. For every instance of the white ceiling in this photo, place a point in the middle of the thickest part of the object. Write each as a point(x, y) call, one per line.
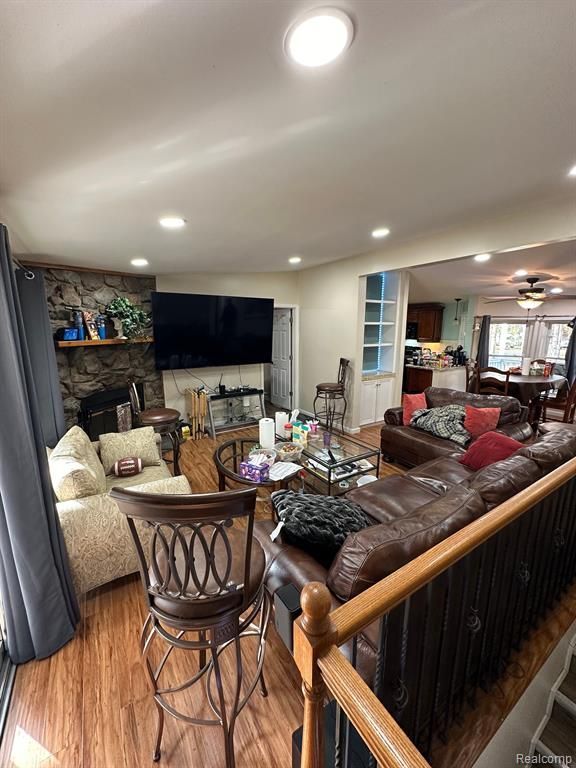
point(464, 277)
point(118, 111)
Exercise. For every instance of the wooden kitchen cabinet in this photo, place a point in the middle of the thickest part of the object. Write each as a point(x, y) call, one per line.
point(429, 319)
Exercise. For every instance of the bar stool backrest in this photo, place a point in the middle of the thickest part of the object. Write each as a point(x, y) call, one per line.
point(342, 371)
point(184, 543)
point(134, 400)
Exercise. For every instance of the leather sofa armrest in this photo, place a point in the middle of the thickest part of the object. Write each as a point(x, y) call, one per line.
point(375, 552)
point(394, 416)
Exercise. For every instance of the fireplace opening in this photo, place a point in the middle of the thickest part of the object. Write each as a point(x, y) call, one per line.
point(107, 411)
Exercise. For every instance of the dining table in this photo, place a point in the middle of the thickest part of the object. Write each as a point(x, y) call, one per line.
point(527, 388)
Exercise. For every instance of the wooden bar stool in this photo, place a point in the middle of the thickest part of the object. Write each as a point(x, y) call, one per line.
point(165, 421)
point(329, 394)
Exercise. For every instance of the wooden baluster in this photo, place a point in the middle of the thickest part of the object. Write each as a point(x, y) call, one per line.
point(313, 632)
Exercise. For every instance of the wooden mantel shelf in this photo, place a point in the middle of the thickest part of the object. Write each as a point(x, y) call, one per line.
point(103, 342)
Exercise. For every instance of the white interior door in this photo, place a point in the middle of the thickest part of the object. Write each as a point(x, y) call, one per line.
point(281, 384)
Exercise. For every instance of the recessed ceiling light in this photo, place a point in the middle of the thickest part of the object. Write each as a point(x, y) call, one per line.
point(319, 37)
point(520, 272)
point(556, 290)
point(381, 232)
point(483, 257)
point(572, 171)
point(172, 222)
point(295, 259)
point(139, 262)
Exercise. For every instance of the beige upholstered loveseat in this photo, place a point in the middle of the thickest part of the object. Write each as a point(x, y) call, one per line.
point(96, 534)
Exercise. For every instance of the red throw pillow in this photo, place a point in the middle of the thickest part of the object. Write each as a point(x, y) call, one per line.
point(488, 449)
point(480, 420)
point(411, 403)
point(128, 467)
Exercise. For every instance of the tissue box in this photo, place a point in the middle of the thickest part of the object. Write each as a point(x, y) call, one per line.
point(256, 473)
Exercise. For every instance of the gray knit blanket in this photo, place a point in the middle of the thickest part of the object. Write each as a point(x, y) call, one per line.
point(446, 422)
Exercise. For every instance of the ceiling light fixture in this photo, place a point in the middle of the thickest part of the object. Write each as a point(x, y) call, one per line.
point(556, 290)
point(172, 222)
point(521, 273)
point(381, 232)
point(529, 303)
point(139, 262)
point(319, 37)
point(572, 171)
point(483, 257)
point(295, 259)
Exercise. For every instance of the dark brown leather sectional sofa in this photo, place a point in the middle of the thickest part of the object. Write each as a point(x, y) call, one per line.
point(412, 447)
point(412, 513)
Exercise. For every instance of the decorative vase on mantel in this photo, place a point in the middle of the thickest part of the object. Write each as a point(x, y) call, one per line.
point(118, 328)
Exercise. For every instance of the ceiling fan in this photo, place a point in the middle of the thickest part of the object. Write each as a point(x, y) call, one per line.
point(531, 297)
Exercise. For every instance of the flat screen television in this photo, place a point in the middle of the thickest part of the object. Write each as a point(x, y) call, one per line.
point(197, 331)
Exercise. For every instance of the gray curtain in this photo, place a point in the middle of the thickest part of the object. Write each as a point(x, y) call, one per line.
point(42, 354)
point(484, 342)
point(40, 608)
point(571, 356)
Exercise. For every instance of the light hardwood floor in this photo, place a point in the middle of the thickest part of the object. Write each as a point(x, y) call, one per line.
point(88, 706)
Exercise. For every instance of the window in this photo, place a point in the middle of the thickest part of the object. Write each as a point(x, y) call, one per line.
point(506, 344)
point(557, 342)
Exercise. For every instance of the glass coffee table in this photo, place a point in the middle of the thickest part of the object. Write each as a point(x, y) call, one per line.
point(334, 469)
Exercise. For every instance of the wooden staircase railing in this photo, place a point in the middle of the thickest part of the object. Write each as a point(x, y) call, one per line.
point(319, 632)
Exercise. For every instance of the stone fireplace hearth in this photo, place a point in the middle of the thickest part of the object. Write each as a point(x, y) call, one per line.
point(84, 371)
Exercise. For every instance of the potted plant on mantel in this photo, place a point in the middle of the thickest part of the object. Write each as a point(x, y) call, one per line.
point(130, 322)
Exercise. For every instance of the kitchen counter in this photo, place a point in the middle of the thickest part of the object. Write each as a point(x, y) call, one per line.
point(437, 370)
point(418, 377)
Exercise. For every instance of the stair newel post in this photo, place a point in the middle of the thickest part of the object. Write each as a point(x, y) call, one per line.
point(313, 635)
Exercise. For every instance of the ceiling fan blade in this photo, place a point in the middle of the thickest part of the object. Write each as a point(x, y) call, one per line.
point(562, 297)
point(488, 300)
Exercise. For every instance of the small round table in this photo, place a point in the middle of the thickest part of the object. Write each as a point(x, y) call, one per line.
point(229, 455)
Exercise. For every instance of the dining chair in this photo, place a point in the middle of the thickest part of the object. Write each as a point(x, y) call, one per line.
point(203, 577)
point(559, 404)
point(492, 385)
point(471, 375)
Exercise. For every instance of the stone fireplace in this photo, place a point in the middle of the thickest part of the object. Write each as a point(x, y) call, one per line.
point(85, 371)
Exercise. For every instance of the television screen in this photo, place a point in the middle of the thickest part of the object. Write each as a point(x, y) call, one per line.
point(196, 331)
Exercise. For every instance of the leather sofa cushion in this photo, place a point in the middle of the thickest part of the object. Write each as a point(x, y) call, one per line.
point(374, 553)
point(413, 446)
point(521, 431)
point(394, 497)
point(448, 470)
point(552, 450)
point(510, 407)
point(501, 480)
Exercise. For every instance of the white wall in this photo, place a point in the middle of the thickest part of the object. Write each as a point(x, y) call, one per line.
point(280, 286)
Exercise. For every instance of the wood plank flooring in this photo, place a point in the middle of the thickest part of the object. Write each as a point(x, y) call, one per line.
point(88, 706)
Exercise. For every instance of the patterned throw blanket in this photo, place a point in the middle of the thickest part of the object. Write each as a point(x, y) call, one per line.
point(446, 421)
